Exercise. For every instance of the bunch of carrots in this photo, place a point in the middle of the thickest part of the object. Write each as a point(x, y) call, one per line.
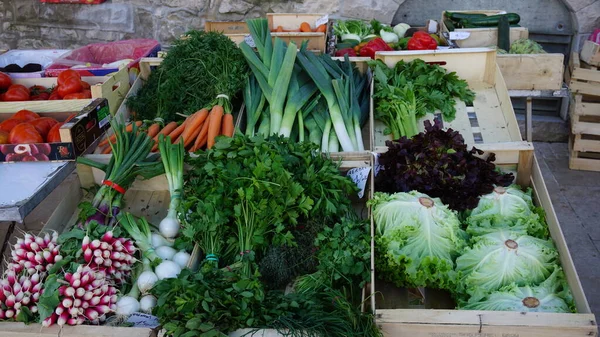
point(304, 28)
point(198, 130)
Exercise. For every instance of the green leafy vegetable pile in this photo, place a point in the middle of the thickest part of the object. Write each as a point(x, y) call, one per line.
point(412, 89)
point(266, 212)
point(196, 70)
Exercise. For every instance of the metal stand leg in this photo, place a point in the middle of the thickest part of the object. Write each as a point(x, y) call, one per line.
point(564, 108)
point(528, 120)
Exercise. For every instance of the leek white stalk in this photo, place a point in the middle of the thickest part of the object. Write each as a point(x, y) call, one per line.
point(172, 158)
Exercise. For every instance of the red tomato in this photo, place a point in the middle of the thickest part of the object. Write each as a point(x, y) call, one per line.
point(10, 123)
point(87, 93)
point(19, 87)
point(78, 95)
point(5, 80)
point(35, 89)
point(54, 96)
point(43, 125)
point(3, 137)
point(66, 74)
point(16, 94)
point(42, 96)
point(24, 134)
point(85, 85)
point(69, 86)
point(54, 134)
point(26, 115)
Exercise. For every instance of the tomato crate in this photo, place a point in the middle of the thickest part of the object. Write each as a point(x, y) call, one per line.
point(397, 316)
point(113, 88)
point(584, 142)
point(491, 118)
point(582, 78)
point(78, 136)
point(481, 37)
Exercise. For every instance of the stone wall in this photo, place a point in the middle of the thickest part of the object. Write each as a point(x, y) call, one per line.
point(31, 24)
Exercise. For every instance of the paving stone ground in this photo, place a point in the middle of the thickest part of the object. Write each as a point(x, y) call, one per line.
point(576, 199)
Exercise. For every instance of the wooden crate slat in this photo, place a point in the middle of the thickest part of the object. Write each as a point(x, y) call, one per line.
point(532, 72)
point(583, 78)
point(585, 145)
point(590, 53)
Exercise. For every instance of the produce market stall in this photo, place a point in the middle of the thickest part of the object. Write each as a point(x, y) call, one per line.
point(252, 183)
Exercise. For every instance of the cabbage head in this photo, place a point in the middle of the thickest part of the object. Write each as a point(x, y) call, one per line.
point(553, 295)
point(510, 208)
point(418, 239)
point(501, 258)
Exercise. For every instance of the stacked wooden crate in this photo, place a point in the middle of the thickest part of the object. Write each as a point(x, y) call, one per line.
point(584, 143)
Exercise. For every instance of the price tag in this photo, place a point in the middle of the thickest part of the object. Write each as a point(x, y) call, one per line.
point(322, 20)
point(376, 165)
point(360, 175)
point(249, 40)
point(459, 35)
point(140, 320)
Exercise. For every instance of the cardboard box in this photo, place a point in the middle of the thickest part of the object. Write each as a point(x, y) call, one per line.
point(78, 136)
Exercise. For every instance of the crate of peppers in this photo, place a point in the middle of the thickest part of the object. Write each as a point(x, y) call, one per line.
point(364, 39)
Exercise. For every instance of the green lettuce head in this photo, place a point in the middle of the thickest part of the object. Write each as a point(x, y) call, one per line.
point(417, 240)
point(501, 258)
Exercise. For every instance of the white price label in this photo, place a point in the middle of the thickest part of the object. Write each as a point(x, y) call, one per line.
point(459, 35)
point(249, 40)
point(322, 20)
point(360, 175)
point(376, 166)
point(140, 320)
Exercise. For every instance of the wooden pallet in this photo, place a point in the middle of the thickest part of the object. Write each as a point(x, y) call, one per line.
point(415, 321)
point(113, 88)
point(590, 53)
point(491, 118)
point(483, 37)
point(532, 72)
point(582, 78)
point(584, 143)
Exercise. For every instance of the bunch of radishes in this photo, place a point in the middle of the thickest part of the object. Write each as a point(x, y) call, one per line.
point(110, 254)
point(35, 254)
point(19, 292)
point(21, 287)
point(86, 294)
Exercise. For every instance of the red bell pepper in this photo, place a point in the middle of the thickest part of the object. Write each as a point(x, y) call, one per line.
point(342, 52)
point(373, 46)
point(421, 41)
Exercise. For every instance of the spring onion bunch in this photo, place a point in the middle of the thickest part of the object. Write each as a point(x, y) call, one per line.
point(172, 158)
point(130, 158)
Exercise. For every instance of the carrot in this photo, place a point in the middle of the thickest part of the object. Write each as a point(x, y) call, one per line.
point(178, 131)
point(193, 128)
point(321, 29)
point(153, 130)
point(227, 125)
point(214, 125)
point(107, 150)
point(305, 27)
point(202, 136)
point(113, 137)
point(165, 131)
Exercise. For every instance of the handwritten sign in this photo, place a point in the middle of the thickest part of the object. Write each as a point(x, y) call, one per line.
point(322, 20)
point(249, 40)
point(140, 320)
point(360, 175)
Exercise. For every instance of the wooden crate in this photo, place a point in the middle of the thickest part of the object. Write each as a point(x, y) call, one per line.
point(584, 142)
point(367, 130)
point(532, 72)
point(582, 78)
point(416, 322)
point(483, 37)
point(113, 88)
point(590, 53)
point(238, 31)
point(491, 119)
